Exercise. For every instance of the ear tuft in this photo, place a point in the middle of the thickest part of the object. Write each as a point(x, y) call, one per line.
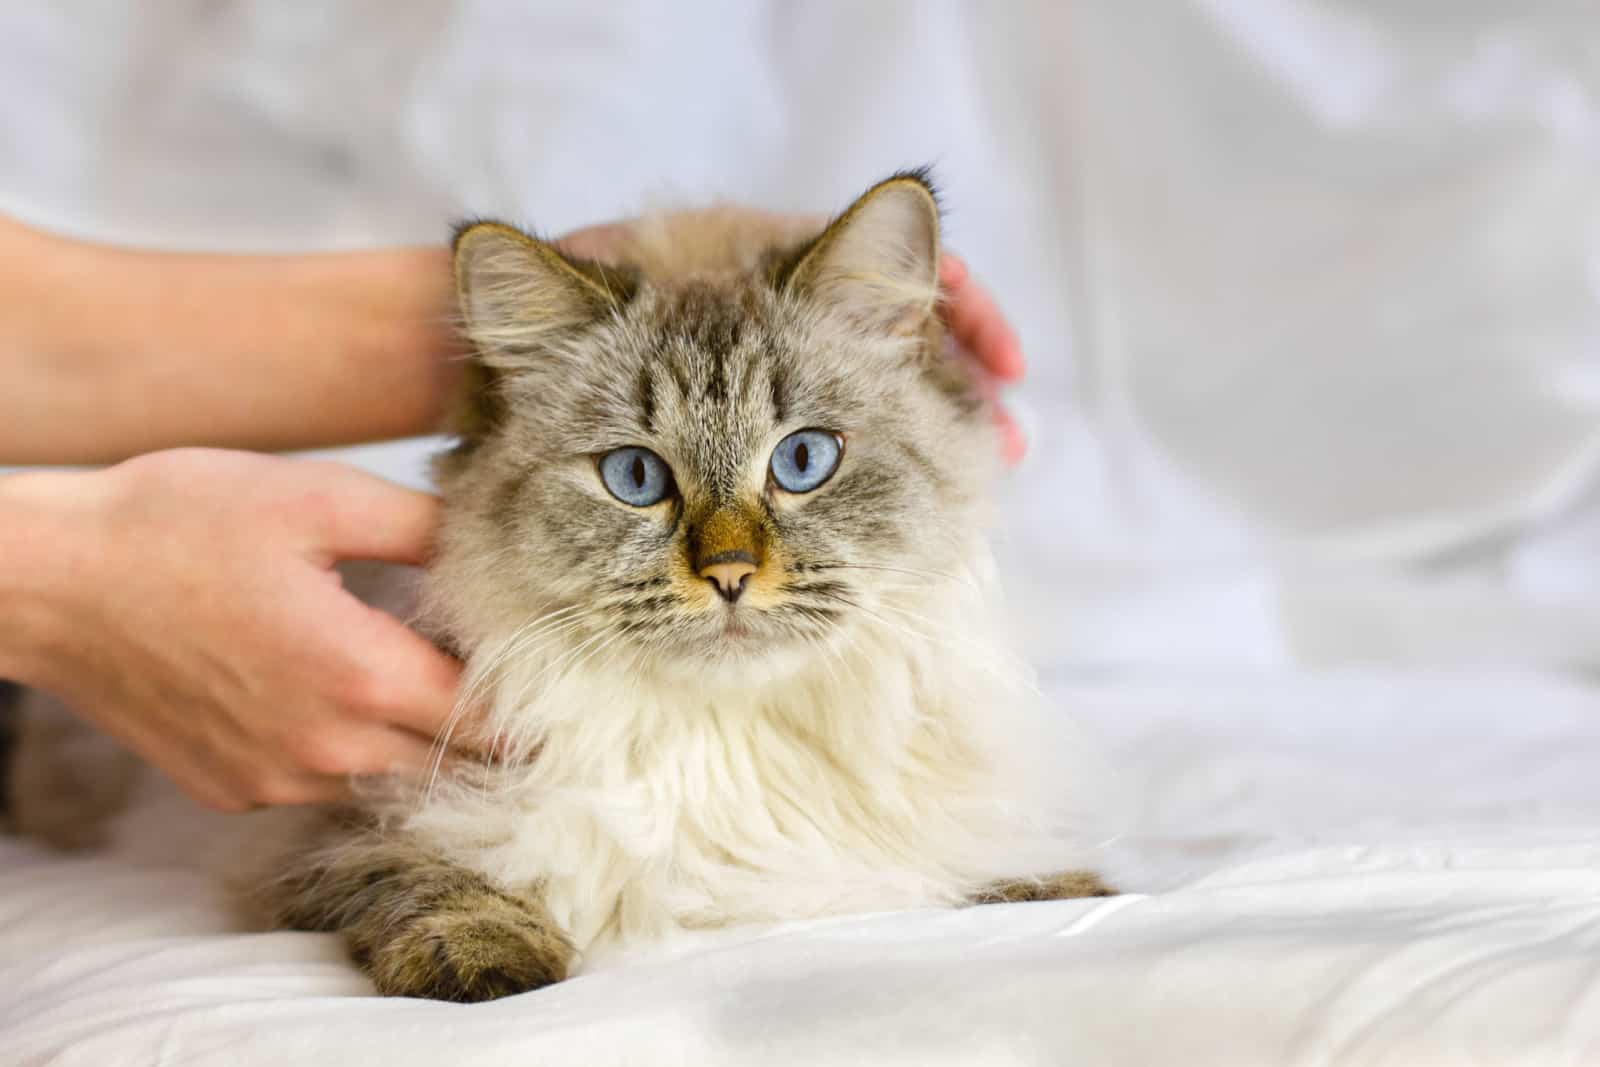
point(517, 292)
point(879, 261)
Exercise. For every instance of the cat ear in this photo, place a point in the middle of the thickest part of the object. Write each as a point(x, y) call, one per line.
point(879, 261)
point(516, 293)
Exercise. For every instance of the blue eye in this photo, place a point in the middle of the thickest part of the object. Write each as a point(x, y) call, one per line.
point(804, 460)
point(636, 476)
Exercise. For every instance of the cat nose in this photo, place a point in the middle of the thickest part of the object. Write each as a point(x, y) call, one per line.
point(728, 571)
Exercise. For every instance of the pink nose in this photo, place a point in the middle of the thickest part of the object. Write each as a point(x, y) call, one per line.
point(728, 572)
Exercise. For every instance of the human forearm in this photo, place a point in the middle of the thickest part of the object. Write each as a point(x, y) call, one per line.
point(105, 353)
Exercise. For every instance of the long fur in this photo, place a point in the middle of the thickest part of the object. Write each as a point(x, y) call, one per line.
point(852, 735)
point(904, 768)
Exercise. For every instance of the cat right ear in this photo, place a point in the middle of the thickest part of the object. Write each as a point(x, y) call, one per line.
point(517, 293)
point(878, 263)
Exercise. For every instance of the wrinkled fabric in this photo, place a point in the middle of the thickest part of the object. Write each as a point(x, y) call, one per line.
point(1350, 869)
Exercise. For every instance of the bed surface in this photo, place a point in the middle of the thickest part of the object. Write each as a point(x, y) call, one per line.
point(1349, 868)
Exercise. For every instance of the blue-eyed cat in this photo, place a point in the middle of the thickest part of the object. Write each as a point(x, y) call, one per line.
point(713, 551)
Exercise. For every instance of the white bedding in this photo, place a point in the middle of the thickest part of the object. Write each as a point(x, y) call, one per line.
point(1351, 869)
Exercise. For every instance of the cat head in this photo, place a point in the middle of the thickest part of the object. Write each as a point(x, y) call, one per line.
point(727, 447)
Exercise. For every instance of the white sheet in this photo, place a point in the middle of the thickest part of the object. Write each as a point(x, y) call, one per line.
point(1339, 870)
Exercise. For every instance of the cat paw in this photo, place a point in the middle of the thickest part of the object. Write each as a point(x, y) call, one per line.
point(468, 957)
point(1064, 886)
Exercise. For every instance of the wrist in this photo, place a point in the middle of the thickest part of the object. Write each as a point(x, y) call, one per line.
point(329, 349)
point(47, 536)
point(398, 305)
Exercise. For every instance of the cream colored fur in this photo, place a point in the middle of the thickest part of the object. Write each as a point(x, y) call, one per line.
point(895, 756)
point(906, 767)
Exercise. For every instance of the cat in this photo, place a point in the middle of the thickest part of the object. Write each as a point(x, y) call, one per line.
point(712, 549)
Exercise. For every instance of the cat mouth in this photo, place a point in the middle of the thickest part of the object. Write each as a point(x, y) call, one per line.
point(737, 627)
point(744, 634)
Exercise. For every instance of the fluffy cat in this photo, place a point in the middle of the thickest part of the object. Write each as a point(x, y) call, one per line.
point(712, 551)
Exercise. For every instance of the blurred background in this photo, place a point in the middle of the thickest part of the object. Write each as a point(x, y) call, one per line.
point(1310, 288)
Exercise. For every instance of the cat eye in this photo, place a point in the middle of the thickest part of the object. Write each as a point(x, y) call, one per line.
point(805, 459)
point(636, 476)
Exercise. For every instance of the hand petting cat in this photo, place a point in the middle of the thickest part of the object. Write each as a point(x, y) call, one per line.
point(184, 603)
point(230, 657)
point(980, 329)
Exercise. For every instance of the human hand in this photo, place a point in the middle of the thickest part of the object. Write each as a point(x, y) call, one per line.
point(977, 325)
point(184, 602)
point(980, 329)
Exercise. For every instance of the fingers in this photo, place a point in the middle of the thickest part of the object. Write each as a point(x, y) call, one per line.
point(977, 323)
point(367, 752)
point(386, 751)
point(1013, 445)
point(978, 328)
point(322, 767)
point(208, 793)
point(364, 752)
point(594, 242)
point(247, 789)
point(369, 518)
point(371, 752)
point(953, 273)
point(405, 681)
point(321, 789)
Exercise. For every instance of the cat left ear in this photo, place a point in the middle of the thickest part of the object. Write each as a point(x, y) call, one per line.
point(879, 261)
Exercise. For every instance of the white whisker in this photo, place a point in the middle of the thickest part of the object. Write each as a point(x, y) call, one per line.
point(482, 673)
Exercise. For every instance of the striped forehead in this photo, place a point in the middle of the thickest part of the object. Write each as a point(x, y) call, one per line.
point(710, 379)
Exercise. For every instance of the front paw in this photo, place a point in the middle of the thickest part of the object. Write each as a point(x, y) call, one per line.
point(469, 957)
point(1064, 886)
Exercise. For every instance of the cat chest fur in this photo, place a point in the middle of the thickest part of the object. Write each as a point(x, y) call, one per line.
point(653, 805)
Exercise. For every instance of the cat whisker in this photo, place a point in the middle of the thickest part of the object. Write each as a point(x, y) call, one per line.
point(559, 662)
point(1013, 675)
point(829, 655)
point(513, 644)
point(899, 627)
point(572, 666)
point(915, 572)
point(544, 626)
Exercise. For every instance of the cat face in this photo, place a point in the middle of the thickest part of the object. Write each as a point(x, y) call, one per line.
point(698, 466)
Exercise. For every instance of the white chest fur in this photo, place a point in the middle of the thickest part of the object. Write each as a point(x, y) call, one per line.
point(905, 768)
